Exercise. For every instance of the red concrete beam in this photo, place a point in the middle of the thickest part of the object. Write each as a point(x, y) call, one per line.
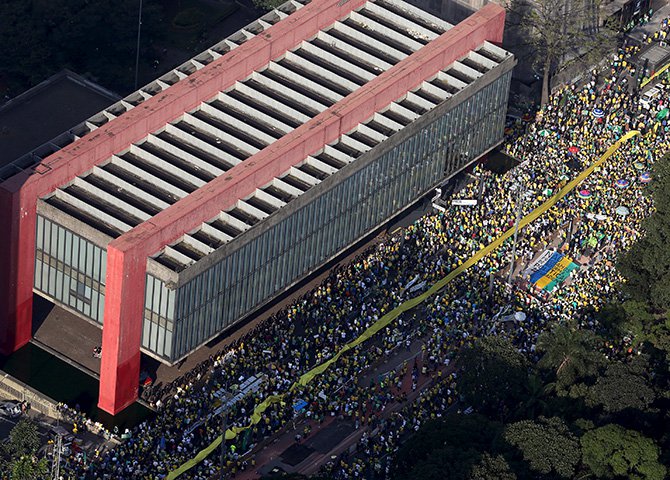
point(16, 296)
point(122, 331)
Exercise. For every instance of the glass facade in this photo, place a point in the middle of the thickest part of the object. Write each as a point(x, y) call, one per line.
point(158, 318)
point(281, 255)
point(70, 269)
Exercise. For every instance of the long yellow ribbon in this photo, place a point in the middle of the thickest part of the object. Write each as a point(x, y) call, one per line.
point(385, 320)
point(656, 74)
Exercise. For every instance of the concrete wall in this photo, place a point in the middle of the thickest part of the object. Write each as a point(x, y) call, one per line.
point(15, 389)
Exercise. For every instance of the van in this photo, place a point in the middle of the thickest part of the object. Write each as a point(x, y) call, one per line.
point(649, 97)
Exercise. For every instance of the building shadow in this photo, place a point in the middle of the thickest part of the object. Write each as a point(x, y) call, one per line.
point(41, 310)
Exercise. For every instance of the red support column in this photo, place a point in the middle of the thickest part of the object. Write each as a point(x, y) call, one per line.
point(17, 267)
point(122, 330)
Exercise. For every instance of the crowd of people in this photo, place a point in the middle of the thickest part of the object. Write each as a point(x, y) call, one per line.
point(589, 225)
point(570, 132)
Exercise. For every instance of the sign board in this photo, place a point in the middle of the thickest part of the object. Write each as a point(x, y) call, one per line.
point(597, 216)
point(464, 202)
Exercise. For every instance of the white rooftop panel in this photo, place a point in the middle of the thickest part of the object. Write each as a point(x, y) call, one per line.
point(184, 155)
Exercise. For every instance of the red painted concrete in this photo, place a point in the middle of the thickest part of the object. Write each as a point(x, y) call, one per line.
point(121, 336)
point(258, 170)
point(15, 303)
point(19, 194)
point(222, 192)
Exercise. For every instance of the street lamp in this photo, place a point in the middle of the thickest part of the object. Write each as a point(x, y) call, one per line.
point(224, 427)
point(137, 54)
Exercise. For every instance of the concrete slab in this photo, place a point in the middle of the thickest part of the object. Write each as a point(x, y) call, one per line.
point(47, 110)
point(67, 335)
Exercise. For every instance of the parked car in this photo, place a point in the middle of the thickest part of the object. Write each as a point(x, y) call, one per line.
point(10, 409)
point(649, 97)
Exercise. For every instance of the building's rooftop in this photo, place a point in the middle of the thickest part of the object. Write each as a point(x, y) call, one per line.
point(656, 55)
point(204, 143)
point(315, 168)
point(39, 115)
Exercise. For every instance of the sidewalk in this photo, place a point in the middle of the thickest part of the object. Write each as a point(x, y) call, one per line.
point(653, 25)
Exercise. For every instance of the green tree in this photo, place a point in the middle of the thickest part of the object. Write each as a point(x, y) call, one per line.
point(560, 32)
point(534, 402)
point(93, 37)
point(446, 462)
point(492, 467)
point(25, 53)
point(27, 467)
point(465, 432)
point(268, 4)
point(569, 353)
point(494, 375)
point(623, 386)
point(23, 438)
point(635, 320)
point(613, 452)
point(20, 453)
point(627, 319)
point(546, 444)
point(646, 266)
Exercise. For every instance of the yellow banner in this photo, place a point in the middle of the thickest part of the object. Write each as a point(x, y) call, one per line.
point(384, 321)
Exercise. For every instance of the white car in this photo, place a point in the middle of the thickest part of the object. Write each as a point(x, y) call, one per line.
point(10, 409)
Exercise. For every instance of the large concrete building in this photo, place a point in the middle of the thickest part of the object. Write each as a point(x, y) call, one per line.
point(194, 201)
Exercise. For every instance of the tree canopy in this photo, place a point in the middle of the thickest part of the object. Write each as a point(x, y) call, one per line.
point(646, 265)
point(559, 32)
point(546, 444)
point(465, 432)
point(612, 452)
point(492, 467)
point(92, 37)
point(20, 453)
point(622, 387)
point(484, 365)
point(268, 4)
point(569, 353)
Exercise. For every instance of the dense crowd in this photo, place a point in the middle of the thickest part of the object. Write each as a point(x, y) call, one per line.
point(570, 132)
point(568, 135)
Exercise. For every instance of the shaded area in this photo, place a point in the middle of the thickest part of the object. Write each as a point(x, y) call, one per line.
point(296, 453)
point(331, 436)
point(65, 383)
point(499, 162)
